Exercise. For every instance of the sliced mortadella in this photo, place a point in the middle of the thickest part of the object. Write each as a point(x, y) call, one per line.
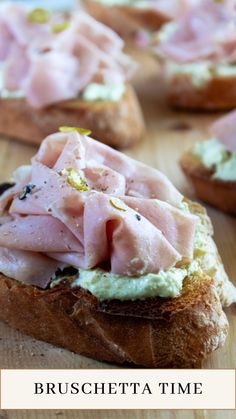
point(104, 179)
point(224, 129)
point(206, 32)
point(88, 226)
point(48, 186)
point(50, 64)
point(38, 234)
point(136, 247)
point(27, 267)
point(177, 227)
point(51, 78)
point(105, 38)
point(51, 148)
point(72, 155)
point(141, 180)
point(6, 40)
point(13, 75)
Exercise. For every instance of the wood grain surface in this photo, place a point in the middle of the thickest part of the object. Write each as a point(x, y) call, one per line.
point(168, 134)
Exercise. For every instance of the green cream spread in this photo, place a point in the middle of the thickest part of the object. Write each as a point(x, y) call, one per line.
point(141, 4)
point(103, 92)
point(210, 152)
point(164, 283)
point(200, 72)
point(227, 169)
point(110, 286)
point(214, 156)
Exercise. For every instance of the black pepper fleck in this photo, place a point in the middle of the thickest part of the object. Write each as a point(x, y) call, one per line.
point(138, 217)
point(25, 191)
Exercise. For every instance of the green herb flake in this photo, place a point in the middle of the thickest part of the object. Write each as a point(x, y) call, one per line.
point(25, 191)
point(60, 27)
point(82, 131)
point(38, 15)
point(118, 204)
point(75, 179)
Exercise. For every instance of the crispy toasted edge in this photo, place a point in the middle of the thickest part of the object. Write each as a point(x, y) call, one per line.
point(125, 20)
point(218, 93)
point(218, 193)
point(118, 124)
point(181, 337)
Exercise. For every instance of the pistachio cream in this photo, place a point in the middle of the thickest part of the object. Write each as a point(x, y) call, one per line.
point(162, 284)
point(103, 92)
point(210, 152)
point(214, 156)
point(141, 4)
point(227, 169)
point(200, 72)
point(110, 286)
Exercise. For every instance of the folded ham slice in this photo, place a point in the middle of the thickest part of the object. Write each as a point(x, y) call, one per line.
point(27, 267)
point(224, 129)
point(50, 63)
point(123, 214)
point(206, 32)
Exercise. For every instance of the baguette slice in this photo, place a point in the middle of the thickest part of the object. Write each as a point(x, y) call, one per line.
point(221, 194)
point(119, 124)
point(219, 93)
point(125, 20)
point(170, 333)
point(156, 332)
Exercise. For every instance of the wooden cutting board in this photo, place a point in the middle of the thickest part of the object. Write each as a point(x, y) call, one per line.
point(168, 134)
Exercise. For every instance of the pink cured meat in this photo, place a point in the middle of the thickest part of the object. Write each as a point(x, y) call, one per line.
point(206, 32)
point(224, 129)
point(28, 267)
point(48, 66)
point(128, 218)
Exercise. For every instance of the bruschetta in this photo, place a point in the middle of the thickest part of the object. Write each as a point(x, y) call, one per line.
point(211, 165)
point(64, 70)
point(197, 54)
point(102, 255)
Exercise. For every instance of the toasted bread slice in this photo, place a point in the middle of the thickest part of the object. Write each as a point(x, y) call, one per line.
point(218, 93)
point(156, 332)
point(221, 194)
point(119, 124)
point(125, 20)
point(171, 333)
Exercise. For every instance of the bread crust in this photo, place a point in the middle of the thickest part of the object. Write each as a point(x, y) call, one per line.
point(119, 124)
point(218, 193)
point(219, 93)
point(125, 20)
point(166, 333)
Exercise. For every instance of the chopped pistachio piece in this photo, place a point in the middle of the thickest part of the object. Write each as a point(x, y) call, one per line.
point(60, 27)
point(82, 131)
point(118, 204)
point(38, 15)
point(75, 179)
